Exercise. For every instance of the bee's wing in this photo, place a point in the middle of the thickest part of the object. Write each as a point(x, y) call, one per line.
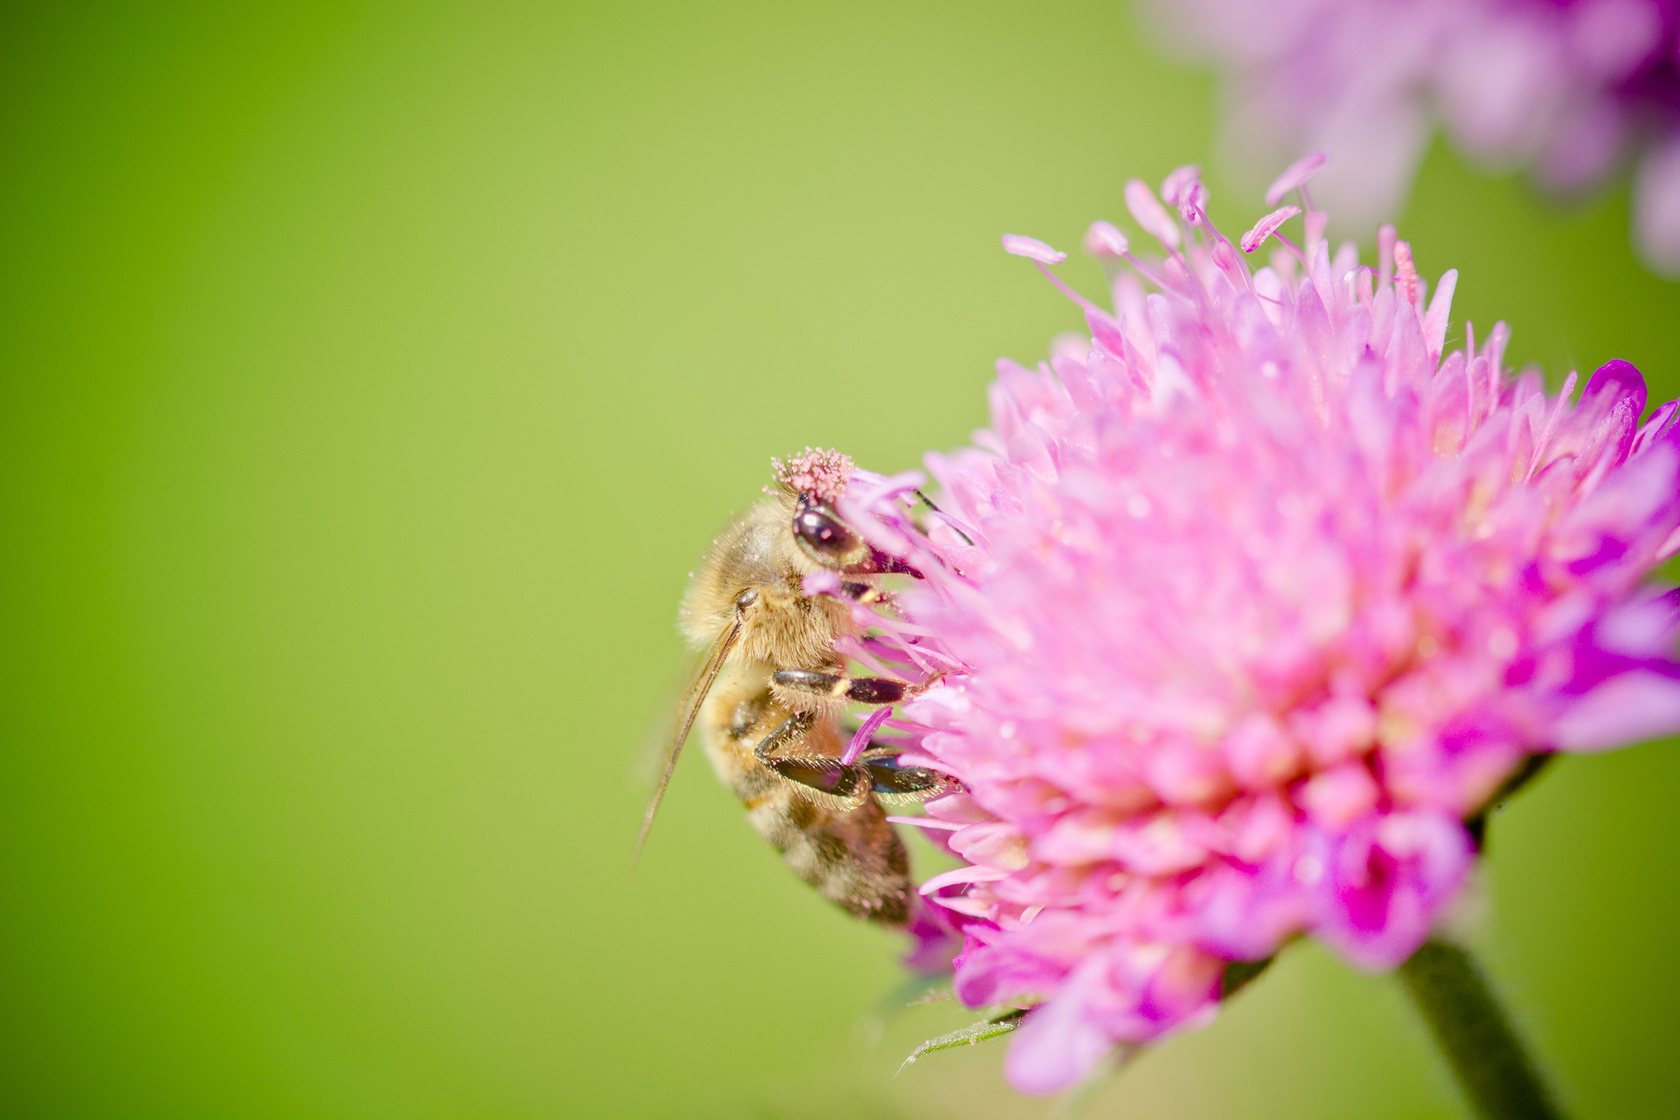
point(690, 708)
point(655, 742)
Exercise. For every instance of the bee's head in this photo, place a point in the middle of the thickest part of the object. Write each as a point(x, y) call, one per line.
point(816, 479)
point(825, 538)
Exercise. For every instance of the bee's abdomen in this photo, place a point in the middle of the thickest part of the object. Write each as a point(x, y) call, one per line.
point(853, 859)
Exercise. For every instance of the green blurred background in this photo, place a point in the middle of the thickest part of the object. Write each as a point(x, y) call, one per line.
point(372, 376)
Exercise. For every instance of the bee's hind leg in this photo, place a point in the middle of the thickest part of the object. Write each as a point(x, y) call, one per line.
point(839, 786)
point(897, 784)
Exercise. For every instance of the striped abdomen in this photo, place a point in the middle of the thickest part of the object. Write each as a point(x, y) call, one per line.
point(851, 857)
point(854, 858)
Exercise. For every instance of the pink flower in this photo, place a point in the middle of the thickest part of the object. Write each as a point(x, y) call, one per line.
point(1244, 603)
point(1564, 86)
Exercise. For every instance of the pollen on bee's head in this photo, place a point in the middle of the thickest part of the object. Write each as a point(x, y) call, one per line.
point(821, 473)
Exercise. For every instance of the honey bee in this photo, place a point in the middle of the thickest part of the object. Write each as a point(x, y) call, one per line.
point(768, 700)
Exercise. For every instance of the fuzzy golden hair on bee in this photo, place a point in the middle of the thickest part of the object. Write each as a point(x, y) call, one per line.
point(768, 700)
point(756, 557)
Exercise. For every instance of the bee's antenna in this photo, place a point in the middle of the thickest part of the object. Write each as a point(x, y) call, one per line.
point(945, 517)
point(691, 708)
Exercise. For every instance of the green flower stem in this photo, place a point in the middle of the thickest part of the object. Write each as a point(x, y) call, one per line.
point(1472, 1031)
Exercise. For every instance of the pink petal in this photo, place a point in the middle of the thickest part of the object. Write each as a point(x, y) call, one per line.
point(994, 844)
point(928, 822)
point(1656, 198)
point(824, 582)
point(860, 739)
point(1059, 1044)
point(1625, 709)
point(1341, 795)
point(1440, 310)
point(1148, 212)
point(960, 875)
point(1295, 175)
point(1031, 248)
point(1103, 240)
point(1172, 187)
point(1267, 226)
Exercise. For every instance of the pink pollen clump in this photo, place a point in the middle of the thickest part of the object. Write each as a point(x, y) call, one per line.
point(1242, 607)
point(821, 473)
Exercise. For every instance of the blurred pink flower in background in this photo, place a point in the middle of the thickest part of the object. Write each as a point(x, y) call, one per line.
point(1245, 601)
point(1566, 87)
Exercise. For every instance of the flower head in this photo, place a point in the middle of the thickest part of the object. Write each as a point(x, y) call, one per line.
point(1248, 599)
point(1565, 86)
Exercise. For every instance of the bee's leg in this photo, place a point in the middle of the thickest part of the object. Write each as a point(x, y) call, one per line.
point(845, 784)
point(894, 783)
point(838, 686)
point(790, 730)
point(862, 592)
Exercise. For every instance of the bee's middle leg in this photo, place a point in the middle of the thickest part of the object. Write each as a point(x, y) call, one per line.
point(838, 686)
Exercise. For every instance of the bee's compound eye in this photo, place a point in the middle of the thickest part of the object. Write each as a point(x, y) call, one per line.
point(824, 536)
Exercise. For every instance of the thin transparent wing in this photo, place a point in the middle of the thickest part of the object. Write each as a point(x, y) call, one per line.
point(690, 708)
point(653, 746)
